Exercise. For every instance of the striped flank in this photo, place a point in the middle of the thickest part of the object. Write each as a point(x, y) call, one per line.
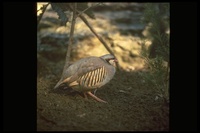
point(93, 78)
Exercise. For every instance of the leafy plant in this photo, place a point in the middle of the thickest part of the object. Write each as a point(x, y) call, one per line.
point(157, 56)
point(157, 16)
point(60, 8)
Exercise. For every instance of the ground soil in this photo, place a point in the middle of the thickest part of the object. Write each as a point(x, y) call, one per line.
point(131, 107)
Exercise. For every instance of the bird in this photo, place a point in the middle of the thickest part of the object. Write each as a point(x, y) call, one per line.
point(89, 74)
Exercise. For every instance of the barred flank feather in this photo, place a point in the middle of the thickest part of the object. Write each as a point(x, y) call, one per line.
point(93, 78)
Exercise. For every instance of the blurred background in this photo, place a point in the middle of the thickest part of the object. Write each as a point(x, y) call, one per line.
point(138, 95)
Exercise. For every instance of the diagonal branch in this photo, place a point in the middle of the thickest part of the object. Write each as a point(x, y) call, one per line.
point(95, 33)
point(87, 9)
point(100, 38)
point(43, 10)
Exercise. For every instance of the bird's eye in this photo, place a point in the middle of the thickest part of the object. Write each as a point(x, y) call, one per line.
point(110, 59)
point(114, 60)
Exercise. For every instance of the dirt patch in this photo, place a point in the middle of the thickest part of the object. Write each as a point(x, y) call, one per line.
point(131, 106)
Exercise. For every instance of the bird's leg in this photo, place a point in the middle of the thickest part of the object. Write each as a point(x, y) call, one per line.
point(65, 88)
point(85, 95)
point(95, 97)
point(95, 91)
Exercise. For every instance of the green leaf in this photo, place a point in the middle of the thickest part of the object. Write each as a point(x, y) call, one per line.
point(60, 8)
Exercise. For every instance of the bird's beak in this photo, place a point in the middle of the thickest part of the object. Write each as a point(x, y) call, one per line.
point(115, 60)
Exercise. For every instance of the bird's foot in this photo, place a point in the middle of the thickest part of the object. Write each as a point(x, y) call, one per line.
point(65, 88)
point(95, 97)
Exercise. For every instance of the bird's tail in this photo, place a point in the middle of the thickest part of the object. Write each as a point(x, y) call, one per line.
point(58, 84)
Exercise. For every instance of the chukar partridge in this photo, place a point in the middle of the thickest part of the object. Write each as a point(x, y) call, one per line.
point(89, 74)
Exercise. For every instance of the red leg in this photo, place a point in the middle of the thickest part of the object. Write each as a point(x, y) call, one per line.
point(95, 97)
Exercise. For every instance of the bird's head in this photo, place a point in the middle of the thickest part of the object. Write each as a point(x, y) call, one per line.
point(110, 59)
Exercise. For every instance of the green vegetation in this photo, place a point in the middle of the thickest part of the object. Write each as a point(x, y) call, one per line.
point(157, 56)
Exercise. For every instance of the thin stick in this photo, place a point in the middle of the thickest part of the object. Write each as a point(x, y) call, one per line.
point(70, 37)
point(87, 9)
point(100, 38)
point(43, 10)
point(94, 32)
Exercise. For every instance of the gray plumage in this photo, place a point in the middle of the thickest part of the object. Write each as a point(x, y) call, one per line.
point(89, 73)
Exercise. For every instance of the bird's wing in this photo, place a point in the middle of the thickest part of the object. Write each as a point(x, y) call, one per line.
point(82, 67)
